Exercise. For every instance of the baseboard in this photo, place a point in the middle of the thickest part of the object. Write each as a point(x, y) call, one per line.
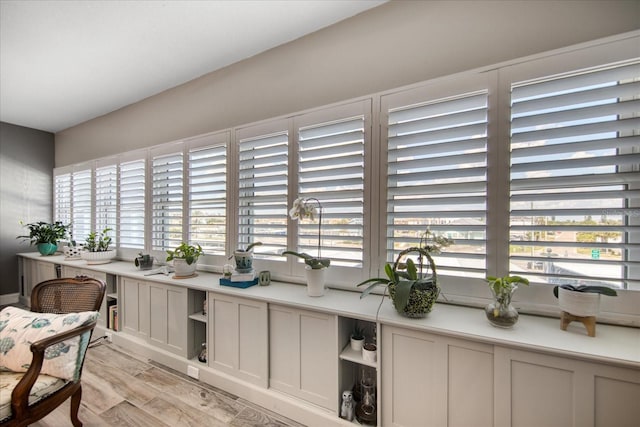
point(7, 299)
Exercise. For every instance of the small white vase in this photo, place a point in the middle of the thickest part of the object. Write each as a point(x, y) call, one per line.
point(315, 281)
point(182, 269)
point(579, 303)
point(369, 352)
point(356, 345)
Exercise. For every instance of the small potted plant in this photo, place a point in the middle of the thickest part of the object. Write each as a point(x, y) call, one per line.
point(581, 300)
point(500, 312)
point(96, 248)
point(244, 258)
point(185, 259)
point(411, 288)
point(357, 338)
point(45, 236)
point(369, 352)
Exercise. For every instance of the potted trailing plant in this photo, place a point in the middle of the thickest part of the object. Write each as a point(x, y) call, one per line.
point(45, 236)
point(96, 248)
point(412, 288)
point(185, 259)
point(244, 258)
point(500, 312)
point(315, 266)
point(581, 300)
point(357, 338)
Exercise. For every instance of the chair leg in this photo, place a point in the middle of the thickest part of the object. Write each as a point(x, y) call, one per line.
point(75, 407)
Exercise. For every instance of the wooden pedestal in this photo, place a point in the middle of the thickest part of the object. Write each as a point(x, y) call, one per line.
point(589, 322)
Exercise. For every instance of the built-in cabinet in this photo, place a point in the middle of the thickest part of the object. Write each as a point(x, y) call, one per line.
point(298, 361)
point(303, 350)
point(32, 273)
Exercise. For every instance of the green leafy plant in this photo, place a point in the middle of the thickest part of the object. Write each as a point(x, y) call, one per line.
point(98, 242)
point(189, 253)
point(44, 232)
point(588, 289)
point(357, 333)
point(313, 262)
point(249, 247)
point(502, 286)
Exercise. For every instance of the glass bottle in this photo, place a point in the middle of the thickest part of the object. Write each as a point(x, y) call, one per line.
point(202, 357)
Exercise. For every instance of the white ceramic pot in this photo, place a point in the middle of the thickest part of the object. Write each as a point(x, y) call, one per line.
point(356, 345)
point(103, 257)
point(369, 352)
point(579, 303)
point(182, 269)
point(315, 281)
point(72, 252)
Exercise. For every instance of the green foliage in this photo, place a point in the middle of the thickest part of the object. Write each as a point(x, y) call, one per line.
point(43, 232)
point(98, 242)
point(505, 284)
point(187, 252)
point(313, 262)
point(251, 246)
point(358, 332)
point(589, 289)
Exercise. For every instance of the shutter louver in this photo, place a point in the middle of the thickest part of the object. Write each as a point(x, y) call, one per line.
point(81, 204)
point(132, 204)
point(106, 199)
point(262, 185)
point(62, 198)
point(331, 169)
point(437, 178)
point(575, 181)
point(166, 228)
point(208, 198)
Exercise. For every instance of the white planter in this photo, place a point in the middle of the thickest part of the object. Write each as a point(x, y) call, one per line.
point(315, 281)
point(72, 252)
point(244, 261)
point(579, 303)
point(182, 269)
point(356, 345)
point(103, 257)
point(369, 352)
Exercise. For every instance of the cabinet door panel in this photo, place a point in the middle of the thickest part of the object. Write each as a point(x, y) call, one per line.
point(616, 401)
point(176, 315)
point(253, 342)
point(129, 303)
point(284, 363)
point(224, 335)
point(470, 385)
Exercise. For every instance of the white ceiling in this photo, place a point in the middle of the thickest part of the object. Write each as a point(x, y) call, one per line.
point(65, 62)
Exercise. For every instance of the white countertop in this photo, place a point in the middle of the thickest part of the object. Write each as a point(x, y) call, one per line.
point(616, 345)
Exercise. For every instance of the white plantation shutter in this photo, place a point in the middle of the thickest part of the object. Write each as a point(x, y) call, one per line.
point(167, 194)
point(575, 181)
point(131, 222)
point(106, 190)
point(81, 204)
point(62, 197)
point(208, 197)
point(437, 178)
point(262, 193)
point(331, 170)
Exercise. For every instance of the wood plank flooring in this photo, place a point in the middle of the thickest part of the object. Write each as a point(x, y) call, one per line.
point(123, 389)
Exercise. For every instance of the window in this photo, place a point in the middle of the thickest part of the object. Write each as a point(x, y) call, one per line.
point(262, 191)
point(106, 199)
point(574, 177)
point(62, 197)
point(208, 194)
point(82, 210)
point(331, 170)
point(131, 224)
point(437, 176)
point(167, 181)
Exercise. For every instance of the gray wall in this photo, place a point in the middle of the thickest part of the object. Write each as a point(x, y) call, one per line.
point(26, 173)
point(398, 43)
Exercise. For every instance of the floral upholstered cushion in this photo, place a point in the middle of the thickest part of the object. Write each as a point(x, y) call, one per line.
point(44, 386)
point(20, 328)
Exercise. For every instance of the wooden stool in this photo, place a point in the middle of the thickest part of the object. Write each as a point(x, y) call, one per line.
point(589, 322)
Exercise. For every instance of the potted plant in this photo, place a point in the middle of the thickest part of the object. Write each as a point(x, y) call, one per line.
point(369, 352)
point(500, 312)
point(357, 338)
point(45, 236)
point(96, 248)
point(244, 258)
point(411, 288)
point(581, 300)
point(185, 259)
point(315, 266)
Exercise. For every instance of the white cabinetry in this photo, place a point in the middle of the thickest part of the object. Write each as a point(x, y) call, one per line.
point(238, 338)
point(34, 272)
point(157, 313)
point(540, 390)
point(431, 380)
point(111, 294)
point(303, 355)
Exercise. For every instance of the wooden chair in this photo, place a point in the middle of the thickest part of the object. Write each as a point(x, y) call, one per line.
point(60, 296)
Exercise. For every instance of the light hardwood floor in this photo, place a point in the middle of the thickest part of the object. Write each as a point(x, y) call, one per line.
point(123, 389)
